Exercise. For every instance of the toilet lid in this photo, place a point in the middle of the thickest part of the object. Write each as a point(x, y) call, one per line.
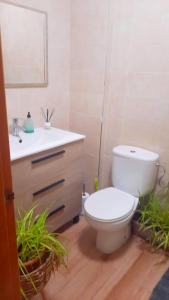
point(110, 204)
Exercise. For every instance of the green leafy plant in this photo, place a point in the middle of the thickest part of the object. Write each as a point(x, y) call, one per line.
point(154, 217)
point(35, 243)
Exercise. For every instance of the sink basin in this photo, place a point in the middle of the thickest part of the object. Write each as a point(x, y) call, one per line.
point(41, 140)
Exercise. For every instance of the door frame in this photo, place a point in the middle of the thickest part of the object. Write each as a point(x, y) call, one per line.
point(9, 273)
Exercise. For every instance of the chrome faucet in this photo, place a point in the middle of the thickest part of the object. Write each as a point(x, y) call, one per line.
point(16, 128)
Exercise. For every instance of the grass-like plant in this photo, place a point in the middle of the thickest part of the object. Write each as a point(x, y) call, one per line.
point(154, 216)
point(34, 242)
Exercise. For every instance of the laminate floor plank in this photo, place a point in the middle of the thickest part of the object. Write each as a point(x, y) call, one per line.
point(128, 274)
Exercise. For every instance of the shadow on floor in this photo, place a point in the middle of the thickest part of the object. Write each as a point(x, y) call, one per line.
point(87, 245)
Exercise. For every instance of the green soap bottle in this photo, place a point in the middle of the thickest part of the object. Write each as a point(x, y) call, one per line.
point(28, 125)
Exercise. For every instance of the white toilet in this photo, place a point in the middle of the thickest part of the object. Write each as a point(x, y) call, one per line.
point(110, 210)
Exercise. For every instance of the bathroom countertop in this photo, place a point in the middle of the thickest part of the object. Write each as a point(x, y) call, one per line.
point(41, 140)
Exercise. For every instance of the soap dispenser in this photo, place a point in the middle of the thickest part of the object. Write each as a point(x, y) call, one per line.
point(28, 124)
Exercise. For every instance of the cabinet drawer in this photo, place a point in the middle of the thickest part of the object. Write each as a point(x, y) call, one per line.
point(35, 169)
point(64, 212)
point(21, 176)
point(43, 194)
point(22, 202)
point(66, 196)
point(50, 163)
point(61, 206)
point(52, 192)
point(50, 198)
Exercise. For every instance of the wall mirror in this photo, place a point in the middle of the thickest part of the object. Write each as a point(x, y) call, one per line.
point(24, 45)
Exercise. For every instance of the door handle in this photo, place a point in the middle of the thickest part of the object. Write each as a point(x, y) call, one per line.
point(9, 196)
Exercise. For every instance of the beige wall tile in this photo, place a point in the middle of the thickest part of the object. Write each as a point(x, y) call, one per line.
point(89, 126)
point(88, 103)
point(88, 11)
point(106, 171)
point(88, 34)
point(87, 81)
point(91, 171)
point(148, 85)
point(150, 58)
point(90, 57)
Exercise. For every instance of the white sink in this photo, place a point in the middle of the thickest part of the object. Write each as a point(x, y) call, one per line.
point(41, 140)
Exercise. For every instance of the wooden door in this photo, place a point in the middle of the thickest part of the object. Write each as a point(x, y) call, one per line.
point(9, 275)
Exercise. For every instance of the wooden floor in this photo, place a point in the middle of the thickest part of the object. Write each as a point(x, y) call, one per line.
point(129, 274)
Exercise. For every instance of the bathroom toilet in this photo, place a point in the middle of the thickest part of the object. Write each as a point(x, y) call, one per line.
point(110, 210)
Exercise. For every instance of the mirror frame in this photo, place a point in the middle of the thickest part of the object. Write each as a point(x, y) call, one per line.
point(45, 83)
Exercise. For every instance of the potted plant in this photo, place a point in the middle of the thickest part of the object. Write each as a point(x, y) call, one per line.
point(152, 219)
point(39, 252)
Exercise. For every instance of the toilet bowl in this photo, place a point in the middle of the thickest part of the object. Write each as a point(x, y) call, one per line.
point(109, 212)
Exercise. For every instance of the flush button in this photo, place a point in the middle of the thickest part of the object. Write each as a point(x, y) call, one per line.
point(133, 151)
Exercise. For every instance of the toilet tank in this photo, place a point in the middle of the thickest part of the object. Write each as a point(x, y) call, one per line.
point(134, 170)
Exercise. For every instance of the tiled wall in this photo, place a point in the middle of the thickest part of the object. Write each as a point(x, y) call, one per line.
point(115, 59)
point(120, 57)
point(20, 101)
point(137, 101)
point(88, 54)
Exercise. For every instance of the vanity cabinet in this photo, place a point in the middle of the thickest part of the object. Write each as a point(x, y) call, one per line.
point(53, 180)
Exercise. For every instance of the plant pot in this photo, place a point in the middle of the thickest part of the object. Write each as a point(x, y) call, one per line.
point(40, 276)
point(33, 264)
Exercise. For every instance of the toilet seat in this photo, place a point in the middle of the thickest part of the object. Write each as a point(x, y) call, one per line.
point(110, 205)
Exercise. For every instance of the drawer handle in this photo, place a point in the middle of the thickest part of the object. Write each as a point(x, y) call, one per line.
point(36, 161)
point(46, 188)
point(56, 211)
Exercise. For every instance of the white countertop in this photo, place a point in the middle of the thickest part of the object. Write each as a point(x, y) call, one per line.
point(41, 140)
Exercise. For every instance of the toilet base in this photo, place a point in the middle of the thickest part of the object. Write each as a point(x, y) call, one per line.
point(109, 241)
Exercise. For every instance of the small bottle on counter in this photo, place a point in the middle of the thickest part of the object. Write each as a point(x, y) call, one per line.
point(28, 124)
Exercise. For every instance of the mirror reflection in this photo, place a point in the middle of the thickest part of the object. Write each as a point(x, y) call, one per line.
point(24, 42)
